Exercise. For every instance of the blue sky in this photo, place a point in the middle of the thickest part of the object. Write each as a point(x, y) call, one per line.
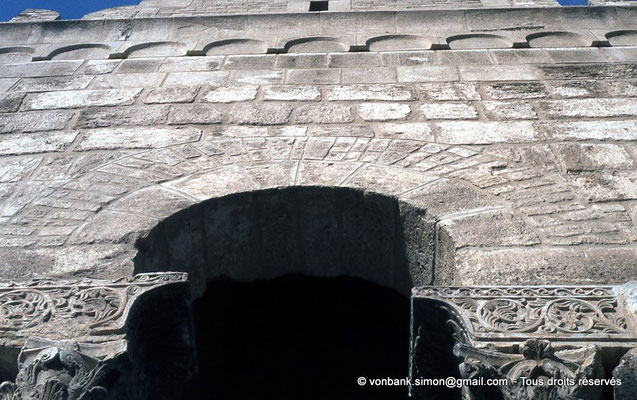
point(69, 9)
point(73, 9)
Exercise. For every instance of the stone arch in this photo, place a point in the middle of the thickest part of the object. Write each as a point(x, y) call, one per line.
point(308, 230)
point(398, 42)
point(555, 39)
point(80, 52)
point(316, 45)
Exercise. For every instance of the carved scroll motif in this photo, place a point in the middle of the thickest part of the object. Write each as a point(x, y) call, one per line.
point(71, 308)
point(536, 312)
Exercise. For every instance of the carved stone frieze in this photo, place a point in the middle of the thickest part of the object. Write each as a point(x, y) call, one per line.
point(73, 308)
point(543, 312)
point(543, 342)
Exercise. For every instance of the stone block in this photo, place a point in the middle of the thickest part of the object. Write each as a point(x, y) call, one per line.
point(194, 114)
point(99, 117)
point(449, 111)
point(80, 98)
point(370, 92)
point(215, 183)
point(544, 266)
point(435, 199)
point(256, 77)
point(253, 62)
point(590, 130)
point(498, 73)
point(408, 58)
point(577, 157)
point(313, 76)
point(301, 61)
point(98, 67)
point(464, 57)
point(341, 131)
point(427, 73)
point(229, 94)
point(10, 102)
point(16, 169)
point(116, 81)
point(324, 114)
point(409, 131)
point(34, 143)
point(504, 110)
point(260, 114)
point(368, 75)
point(583, 108)
point(388, 180)
point(519, 56)
point(473, 132)
point(53, 83)
point(139, 66)
point(450, 91)
point(34, 121)
point(583, 55)
point(7, 83)
point(384, 111)
point(292, 93)
point(171, 94)
point(40, 69)
point(216, 78)
point(606, 186)
point(590, 71)
point(516, 90)
point(137, 138)
point(191, 64)
point(353, 60)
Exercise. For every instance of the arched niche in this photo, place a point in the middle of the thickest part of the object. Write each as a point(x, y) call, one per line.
point(311, 231)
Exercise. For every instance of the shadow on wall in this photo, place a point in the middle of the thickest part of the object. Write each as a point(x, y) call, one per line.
point(310, 231)
point(299, 291)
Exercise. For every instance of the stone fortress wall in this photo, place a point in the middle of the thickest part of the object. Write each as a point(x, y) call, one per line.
point(513, 130)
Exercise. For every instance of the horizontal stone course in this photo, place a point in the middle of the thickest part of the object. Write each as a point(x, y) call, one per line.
point(34, 121)
point(80, 98)
point(136, 138)
point(470, 132)
point(33, 143)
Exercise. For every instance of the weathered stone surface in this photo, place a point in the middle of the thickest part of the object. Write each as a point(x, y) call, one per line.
point(171, 94)
point(428, 73)
point(34, 121)
point(591, 130)
point(136, 138)
point(486, 132)
point(113, 227)
point(606, 186)
point(370, 92)
point(216, 183)
point(80, 98)
point(313, 76)
point(12, 170)
point(185, 64)
point(626, 371)
point(582, 108)
point(450, 91)
point(260, 114)
point(449, 111)
point(53, 83)
point(40, 69)
point(113, 81)
point(99, 117)
point(501, 110)
point(10, 102)
point(256, 77)
point(229, 94)
point(388, 179)
point(368, 75)
point(542, 265)
point(194, 114)
point(384, 111)
point(591, 157)
point(444, 197)
point(498, 73)
point(324, 114)
point(196, 78)
point(292, 93)
point(31, 143)
point(516, 90)
point(412, 131)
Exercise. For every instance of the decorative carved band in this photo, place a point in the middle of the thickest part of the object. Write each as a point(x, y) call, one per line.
point(520, 313)
point(74, 308)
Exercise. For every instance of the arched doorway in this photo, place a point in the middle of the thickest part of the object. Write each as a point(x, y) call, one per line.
point(298, 291)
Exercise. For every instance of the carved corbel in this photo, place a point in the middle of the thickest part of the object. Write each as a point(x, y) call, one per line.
point(51, 370)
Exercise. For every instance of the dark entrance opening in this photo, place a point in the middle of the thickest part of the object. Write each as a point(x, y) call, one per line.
point(297, 337)
point(319, 5)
